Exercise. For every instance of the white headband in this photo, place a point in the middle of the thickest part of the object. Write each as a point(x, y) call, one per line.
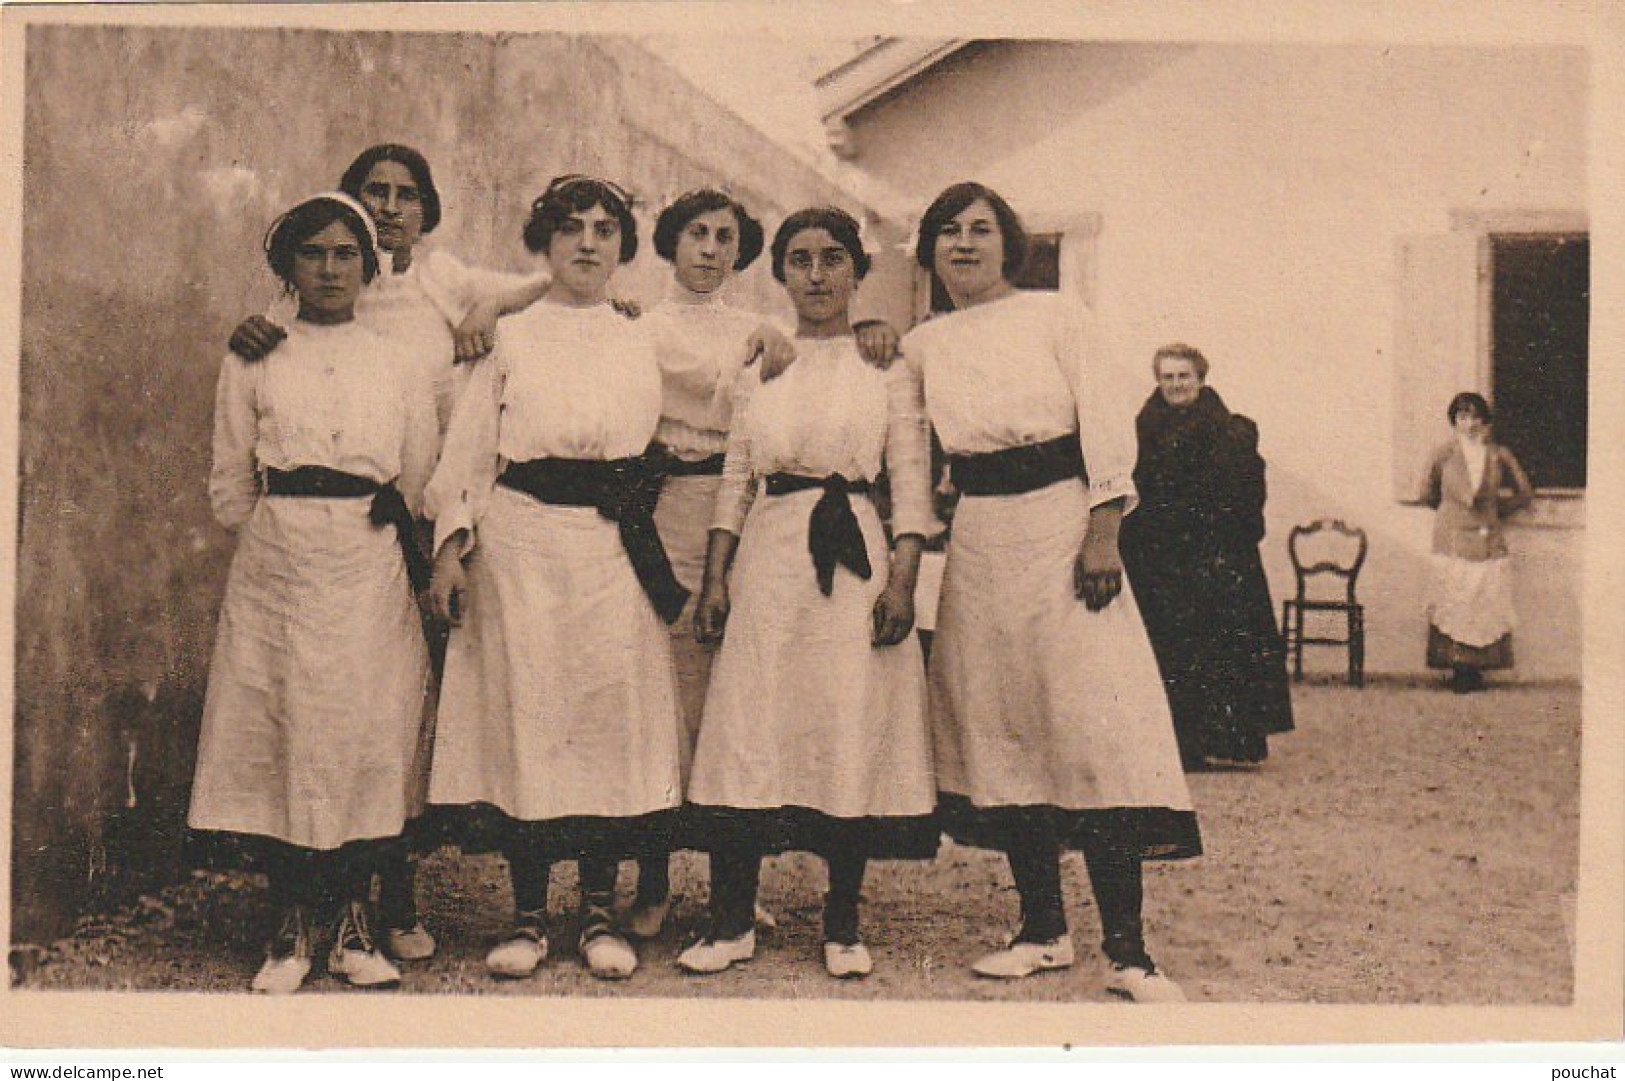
point(354, 204)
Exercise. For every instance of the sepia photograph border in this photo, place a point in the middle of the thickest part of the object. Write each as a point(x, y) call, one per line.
point(30, 1019)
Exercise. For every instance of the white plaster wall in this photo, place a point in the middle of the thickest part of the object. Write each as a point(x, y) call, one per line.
point(1251, 200)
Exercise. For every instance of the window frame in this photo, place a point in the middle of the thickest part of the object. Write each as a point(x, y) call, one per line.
point(1558, 508)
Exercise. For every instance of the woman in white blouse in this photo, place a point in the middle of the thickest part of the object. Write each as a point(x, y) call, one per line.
point(559, 707)
point(814, 734)
point(439, 315)
point(703, 343)
point(316, 687)
point(1051, 727)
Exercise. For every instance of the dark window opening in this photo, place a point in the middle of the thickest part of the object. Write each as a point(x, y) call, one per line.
point(1541, 320)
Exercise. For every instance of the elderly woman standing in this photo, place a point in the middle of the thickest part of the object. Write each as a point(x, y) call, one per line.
point(815, 733)
point(1191, 551)
point(1473, 483)
point(316, 687)
point(1051, 727)
point(559, 707)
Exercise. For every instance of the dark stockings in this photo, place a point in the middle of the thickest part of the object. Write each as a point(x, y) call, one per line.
point(1119, 893)
point(1114, 874)
point(654, 879)
point(1036, 866)
point(397, 887)
point(841, 903)
point(529, 873)
point(735, 877)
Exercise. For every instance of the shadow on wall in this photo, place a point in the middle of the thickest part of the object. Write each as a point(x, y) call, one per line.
point(119, 574)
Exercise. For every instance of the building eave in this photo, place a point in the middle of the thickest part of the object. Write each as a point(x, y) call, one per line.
point(876, 71)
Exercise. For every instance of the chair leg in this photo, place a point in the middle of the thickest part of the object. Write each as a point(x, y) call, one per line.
point(1357, 646)
point(1297, 636)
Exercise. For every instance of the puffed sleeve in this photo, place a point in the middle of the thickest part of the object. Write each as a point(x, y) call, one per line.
point(1106, 402)
point(737, 491)
point(456, 494)
point(418, 446)
point(908, 452)
point(234, 483)
point(454, 287)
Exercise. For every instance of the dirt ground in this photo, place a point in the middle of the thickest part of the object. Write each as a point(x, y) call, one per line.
point(1403, 846)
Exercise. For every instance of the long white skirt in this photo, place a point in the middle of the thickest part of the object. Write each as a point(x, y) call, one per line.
point(683, 519)
point(558, 698)
point(1037, 700)
point(803, 711)
point(316, 687)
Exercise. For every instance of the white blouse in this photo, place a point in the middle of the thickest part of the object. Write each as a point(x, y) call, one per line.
point(332, 396)
point(701, 348)
point(418, 310)
point(1026, 369)
point(1477, 452)
point(562, 383)
point(831, 412)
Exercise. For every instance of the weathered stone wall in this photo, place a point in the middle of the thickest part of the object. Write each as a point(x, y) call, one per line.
point(155, 158)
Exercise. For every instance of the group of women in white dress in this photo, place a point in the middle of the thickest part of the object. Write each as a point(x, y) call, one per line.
point(612, 499)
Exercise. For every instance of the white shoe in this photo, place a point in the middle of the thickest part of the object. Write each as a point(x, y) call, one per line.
point(355, 956)
point(281, 975)
point(287, 961)
point(646, 920)
point(712, 955)
point(1142, 985)
point(413, 943)
point(1022, 959)
point(609, 956)
point(844, 962)
point(765, 919)
point(518, 956)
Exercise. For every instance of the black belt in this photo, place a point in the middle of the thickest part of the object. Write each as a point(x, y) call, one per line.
point(388, 506)
point(833, 536)
point(673, 466)
point(624, 491)
point(1019, 469)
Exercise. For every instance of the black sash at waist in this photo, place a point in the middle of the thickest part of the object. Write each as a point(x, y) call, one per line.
point(388, 506)
point(673, 466)
point(624, 491)
point(1019, 469)
point(833, 535)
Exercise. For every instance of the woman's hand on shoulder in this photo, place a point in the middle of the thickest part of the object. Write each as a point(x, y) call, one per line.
point(775, 352)
point(255, 338)
point(877, 341)
point(476, 335)
point(894, 615)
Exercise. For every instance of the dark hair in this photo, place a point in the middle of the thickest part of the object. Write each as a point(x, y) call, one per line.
point(690, 205)
point(833, 220)
point(307, 219)
point(355, 177)
point(1181, 351)
point(1469, 402)
point(950, 203)
point(572, 194)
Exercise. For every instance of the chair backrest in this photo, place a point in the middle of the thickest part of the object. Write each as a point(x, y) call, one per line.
point(1327, 546)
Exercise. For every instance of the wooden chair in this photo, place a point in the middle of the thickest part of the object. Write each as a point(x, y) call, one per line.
point(1326, 547)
